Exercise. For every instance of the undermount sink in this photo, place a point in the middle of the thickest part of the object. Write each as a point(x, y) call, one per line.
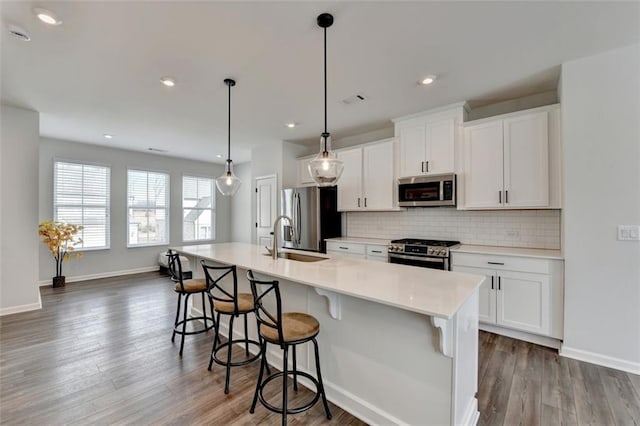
point(298, 256)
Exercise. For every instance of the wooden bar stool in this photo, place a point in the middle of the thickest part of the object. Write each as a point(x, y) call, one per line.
point(286, 330)
point(232, 304)
point(187, 288)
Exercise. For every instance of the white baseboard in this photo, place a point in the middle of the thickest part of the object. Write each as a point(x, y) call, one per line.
point(22, 308)
point(549, 342)
point(471, 413)
point(344, 399)
point(104, 275)
point(599, 359)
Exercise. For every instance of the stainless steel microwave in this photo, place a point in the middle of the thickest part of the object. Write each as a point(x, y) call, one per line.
point(427, 191)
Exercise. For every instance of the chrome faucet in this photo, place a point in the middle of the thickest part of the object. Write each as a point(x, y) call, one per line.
point(274, 247)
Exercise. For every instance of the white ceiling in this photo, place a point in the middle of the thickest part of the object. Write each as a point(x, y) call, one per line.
point(99, 71)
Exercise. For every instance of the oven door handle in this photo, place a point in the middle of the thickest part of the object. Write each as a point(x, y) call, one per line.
point(426, 258)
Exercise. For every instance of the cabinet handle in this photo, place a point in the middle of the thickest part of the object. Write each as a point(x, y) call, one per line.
point(365, 201)
point(422, 166)
point(499, 284)
point(499, 197)
point(427, 167)
point(496, 263)
point(506, 196)
point(491, 282)
point(343, 248)
point(376, 251)
point(358, 201)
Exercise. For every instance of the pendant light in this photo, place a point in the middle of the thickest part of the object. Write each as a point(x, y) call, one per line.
point(228, 183)
point(325, 169)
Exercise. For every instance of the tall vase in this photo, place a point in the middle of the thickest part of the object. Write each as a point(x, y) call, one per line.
point(58, 281)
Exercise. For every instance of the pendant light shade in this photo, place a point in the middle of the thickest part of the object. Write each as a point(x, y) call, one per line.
point(228, 183)
point(325, 169)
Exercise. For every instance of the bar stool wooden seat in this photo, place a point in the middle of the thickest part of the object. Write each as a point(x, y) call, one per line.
point(187, 288)
point(287, 330)
point(232, 304)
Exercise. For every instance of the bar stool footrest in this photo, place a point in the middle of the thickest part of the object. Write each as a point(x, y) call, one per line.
point(246, 361)
point(178, 327)
point(294, 410)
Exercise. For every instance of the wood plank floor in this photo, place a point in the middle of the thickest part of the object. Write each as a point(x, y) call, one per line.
point(99, 352)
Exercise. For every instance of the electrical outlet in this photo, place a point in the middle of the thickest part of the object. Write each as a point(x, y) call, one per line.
point(513, 233)
point(629, 232)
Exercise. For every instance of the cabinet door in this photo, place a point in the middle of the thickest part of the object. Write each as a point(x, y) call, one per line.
point(304, 177)
point(487, 292)
point(378, 180)
point(350, 184)
point(526, 161)
point(523, 301)
point(440, 143)
point(412, 150)
point(483, 166)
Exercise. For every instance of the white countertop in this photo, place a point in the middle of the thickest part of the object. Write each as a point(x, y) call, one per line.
point(361, 240)
point(509, 251)
point(427, 291)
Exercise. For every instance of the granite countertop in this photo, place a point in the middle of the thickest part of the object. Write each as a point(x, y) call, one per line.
point(427, 291)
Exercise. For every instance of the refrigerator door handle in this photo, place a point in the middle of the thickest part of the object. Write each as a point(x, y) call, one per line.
point(298, 228)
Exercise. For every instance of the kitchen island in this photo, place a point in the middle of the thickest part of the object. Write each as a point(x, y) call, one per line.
point(398, 344)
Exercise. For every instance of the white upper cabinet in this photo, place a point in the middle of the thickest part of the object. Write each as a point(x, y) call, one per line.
point(506, 162)
point(427, 141)
point(368, 181)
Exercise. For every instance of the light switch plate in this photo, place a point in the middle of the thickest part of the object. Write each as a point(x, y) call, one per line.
point(629, 232)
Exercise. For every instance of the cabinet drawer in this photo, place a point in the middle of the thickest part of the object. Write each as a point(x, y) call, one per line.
point(376, 251)
point(345, 247)
point(497, 262)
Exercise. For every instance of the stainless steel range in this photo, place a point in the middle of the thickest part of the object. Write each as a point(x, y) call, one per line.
point(432, 254)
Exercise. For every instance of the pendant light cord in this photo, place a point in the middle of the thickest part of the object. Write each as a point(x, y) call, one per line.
point(229, 130)
point(325, 135)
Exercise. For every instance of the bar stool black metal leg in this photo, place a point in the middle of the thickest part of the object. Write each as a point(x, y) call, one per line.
point(284, 385)
point(263, 348)
point(218, 328)
point(320, 384)
point(213, 318)
point(264, 356)
point(184, 323)
point(295, 370)
point(175, 323)
point(229, 350)
point(215, 340)
point(204, 311)
point(246, 336)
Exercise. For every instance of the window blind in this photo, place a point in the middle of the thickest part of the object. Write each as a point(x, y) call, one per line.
point(148, 208)
point(81, 196)
point(198, 208)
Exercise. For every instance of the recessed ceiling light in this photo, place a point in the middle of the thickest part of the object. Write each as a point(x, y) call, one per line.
point(428, 79)
point(168, 81)
point(291, 125)
point(47, 16)
point(108, 136)
point(19, 33)
point(219, 156)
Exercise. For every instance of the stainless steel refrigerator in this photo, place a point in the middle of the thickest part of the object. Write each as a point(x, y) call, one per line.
point(314, 214)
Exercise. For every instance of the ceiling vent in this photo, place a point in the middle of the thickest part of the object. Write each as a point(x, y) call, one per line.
point(157, 150)
point(355, 99)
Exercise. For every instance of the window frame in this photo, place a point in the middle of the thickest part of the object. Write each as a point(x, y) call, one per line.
point(167, 208)
point(107, 206)
point(213, 208)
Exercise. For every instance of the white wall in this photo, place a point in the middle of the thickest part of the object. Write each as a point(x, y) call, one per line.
point(601, 135)
point(240, 212)
point(119, 258)
point(19, 210)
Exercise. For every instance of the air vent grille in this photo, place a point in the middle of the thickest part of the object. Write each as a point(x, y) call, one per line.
point(355, 99)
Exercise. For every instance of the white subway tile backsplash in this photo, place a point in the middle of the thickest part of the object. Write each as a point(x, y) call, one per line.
point(513, 228)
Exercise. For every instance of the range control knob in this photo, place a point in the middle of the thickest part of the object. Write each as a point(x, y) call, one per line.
point(430, 251)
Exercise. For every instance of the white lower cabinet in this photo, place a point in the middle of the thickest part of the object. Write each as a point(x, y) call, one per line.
point(524, 294)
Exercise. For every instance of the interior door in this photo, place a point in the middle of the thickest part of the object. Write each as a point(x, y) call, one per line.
point(266, 205)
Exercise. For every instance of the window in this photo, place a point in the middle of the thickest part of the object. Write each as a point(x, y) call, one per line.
point(81, 197)
point(198, 204)
point(148, 208)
